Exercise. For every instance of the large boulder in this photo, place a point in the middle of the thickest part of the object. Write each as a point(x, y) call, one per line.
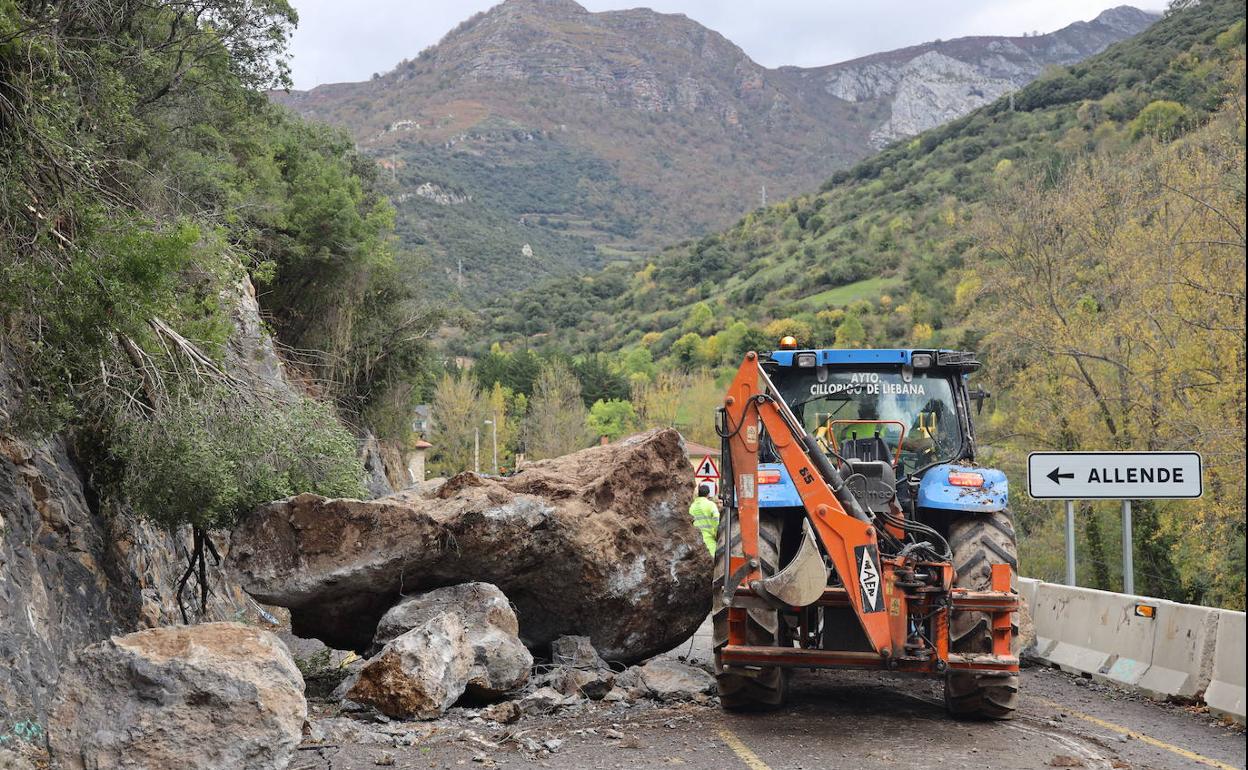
point(598, 543)
point(499, 660)
point(217, 695)
point(420, 674)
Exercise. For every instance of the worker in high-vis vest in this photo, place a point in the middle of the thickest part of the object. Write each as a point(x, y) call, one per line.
point(705, 516)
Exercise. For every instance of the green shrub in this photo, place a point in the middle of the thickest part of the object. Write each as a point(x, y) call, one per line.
point(211, 456)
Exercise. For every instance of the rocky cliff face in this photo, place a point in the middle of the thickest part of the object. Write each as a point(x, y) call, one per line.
point(930, 84)
point(592, 136)
point(75, 569)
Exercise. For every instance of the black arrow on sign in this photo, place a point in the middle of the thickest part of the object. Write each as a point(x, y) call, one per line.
point(1056, 476)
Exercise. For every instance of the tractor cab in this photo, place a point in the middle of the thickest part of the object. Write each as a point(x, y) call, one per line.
point(901, 418)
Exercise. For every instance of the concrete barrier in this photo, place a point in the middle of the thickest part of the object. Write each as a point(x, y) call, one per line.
point(1084, 631)
point(1160, 648)
point(1225, 693)
point(1183, 650)
point(1027, 590)
point(1026, 625)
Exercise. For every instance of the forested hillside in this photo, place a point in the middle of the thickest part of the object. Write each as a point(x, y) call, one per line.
point(144, 178)
point(1087, 235)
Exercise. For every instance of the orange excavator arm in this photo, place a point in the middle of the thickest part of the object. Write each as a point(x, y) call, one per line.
point(846, 532)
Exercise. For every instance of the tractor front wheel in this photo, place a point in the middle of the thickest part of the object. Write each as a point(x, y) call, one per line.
point(979, 541)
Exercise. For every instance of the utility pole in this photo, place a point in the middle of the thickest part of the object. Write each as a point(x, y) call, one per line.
point(461, 272)
point(476, 450)
point(763, 196)
point(1070, 542)
point(494, 431)
point(1128, 557)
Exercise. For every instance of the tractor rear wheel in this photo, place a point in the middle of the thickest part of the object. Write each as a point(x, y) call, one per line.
point(978, 541)
point(755, 688)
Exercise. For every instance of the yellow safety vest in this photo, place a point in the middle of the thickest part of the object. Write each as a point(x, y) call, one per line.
point(706, 519)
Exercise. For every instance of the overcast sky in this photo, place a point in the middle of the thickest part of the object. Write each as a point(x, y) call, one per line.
point(345, 40)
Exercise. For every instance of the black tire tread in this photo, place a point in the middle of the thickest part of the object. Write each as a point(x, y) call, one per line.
point(979, 541)
point(767, 687)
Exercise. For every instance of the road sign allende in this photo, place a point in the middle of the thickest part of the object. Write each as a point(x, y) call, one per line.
point(1114, 475)
point(707, 469)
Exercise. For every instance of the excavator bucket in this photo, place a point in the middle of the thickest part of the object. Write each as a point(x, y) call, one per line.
point(802, 581)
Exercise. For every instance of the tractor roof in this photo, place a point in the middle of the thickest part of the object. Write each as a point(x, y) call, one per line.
point(955, 359)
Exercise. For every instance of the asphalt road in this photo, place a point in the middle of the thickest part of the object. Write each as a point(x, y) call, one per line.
point(834, 720)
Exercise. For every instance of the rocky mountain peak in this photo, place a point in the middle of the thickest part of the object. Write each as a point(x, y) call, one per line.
point(1125, 18)
point(549, 8)
point(590, 135)
point(929, 84)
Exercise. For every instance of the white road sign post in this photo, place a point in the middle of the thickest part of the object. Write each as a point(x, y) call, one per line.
point(1124, 476)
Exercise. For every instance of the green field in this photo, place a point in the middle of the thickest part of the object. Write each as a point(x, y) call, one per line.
point(871, 288)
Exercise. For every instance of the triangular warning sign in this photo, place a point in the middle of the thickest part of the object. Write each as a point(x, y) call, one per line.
point(707, 469)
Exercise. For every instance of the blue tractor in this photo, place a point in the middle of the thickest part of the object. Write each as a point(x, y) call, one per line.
point(871, 453)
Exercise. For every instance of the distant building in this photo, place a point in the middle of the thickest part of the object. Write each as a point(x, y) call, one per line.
point(422, 420)
point(697, 451)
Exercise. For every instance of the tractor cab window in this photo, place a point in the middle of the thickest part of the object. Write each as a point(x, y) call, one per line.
point(868, 413)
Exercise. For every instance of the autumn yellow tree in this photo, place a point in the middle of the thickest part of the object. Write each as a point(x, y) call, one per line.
point(1113, 302)
point(556, 421)
point(456, 413)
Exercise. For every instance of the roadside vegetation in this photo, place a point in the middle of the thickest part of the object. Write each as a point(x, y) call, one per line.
point(144, 177)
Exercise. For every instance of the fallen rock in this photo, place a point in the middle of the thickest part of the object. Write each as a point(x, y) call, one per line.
point(544, 700)
point(580, 682)
point(597, 543)
point(629, 684)
point(500, 661)
point(668, 680)
point(420, 674)
point(346, 730)
point(504, 713)
point(217, 695)
point(19, 755)
point(575, 651)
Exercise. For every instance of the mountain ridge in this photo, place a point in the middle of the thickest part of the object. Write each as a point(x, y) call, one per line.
point(571, 139)
point(881, 246)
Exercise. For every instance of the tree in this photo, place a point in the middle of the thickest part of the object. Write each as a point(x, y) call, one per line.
point(790, 327)
point(687, 351)
point(657, 401)
point(612, 418)
point(639, 361)
point(505, 409)
point(1162, 119)
point(700, 318)
point(457, 417)
point(851, 333)
point(556, 421)
point(699, 398)
point(139, 181)
point(600, 380)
